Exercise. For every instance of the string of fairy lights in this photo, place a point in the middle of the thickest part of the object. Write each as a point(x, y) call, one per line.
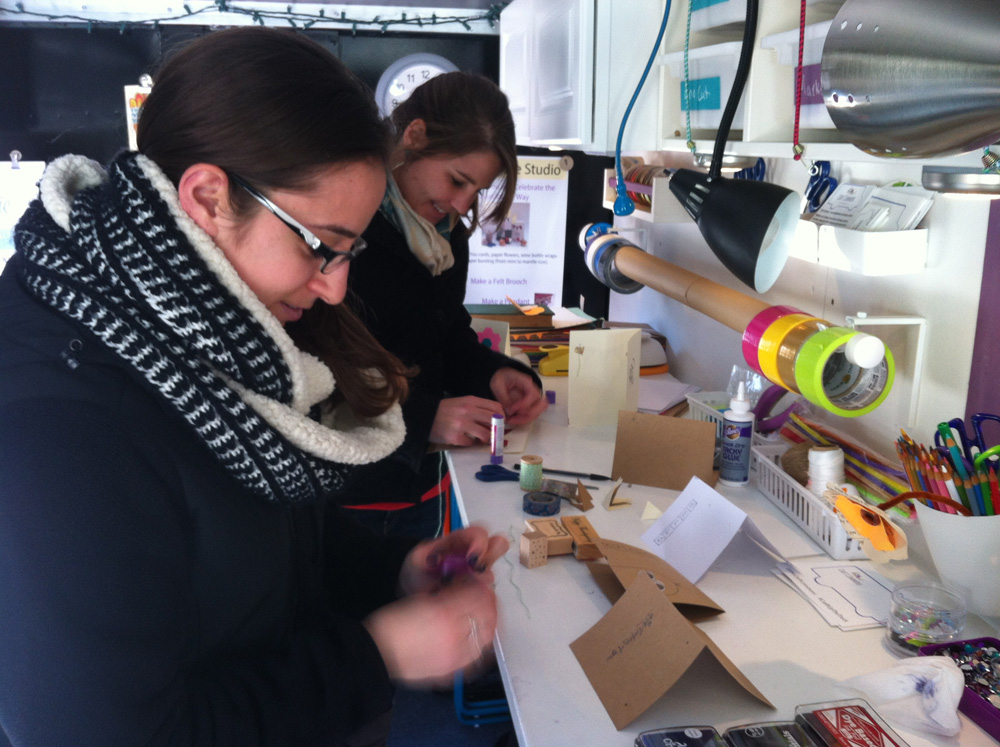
point(295, 18)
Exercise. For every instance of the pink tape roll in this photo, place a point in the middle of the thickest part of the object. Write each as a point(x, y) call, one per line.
point(755, 329)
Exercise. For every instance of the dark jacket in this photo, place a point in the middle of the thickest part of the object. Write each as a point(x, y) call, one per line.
point(421, 318)
point(145, 596)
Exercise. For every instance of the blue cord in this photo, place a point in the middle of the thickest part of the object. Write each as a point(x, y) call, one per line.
point(623, 203)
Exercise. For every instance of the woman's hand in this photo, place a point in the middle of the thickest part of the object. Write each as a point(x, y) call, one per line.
point(434, 563)
point(521, 399)
point(447, 619)
point(463, 421)
point(425, 638)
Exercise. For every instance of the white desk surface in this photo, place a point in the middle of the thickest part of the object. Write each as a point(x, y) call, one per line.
point(773, 635)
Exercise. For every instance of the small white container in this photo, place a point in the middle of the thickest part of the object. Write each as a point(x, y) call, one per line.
point(711, 71)
point(813, 113)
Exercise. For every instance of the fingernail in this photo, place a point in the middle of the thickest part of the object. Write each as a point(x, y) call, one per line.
point(474, 562)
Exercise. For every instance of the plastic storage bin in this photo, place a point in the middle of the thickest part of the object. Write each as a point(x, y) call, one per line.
point(708, 406)
point(711, 71)
point(804, 508)
point(813, 113)
point(972, 704)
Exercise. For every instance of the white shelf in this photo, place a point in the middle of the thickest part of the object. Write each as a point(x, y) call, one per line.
point(872, 253)
point(665, 208)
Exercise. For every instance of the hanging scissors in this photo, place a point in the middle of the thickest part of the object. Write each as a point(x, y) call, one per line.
point(757, 172)
point(821, 185)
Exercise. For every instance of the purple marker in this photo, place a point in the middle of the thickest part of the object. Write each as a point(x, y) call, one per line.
point(496, 439)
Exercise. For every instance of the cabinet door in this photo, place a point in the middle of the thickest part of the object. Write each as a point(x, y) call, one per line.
point(515, 65)
point(562, 72)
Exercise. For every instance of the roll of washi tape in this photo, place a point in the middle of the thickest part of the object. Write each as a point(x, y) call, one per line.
point(788, 350)
point(770, 343)
point(538, 503)
point(828, 379)
point(531, 472)
point(756, 327)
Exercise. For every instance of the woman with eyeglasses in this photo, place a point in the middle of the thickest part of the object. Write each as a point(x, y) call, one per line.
point(173, 567)
point(454, 145)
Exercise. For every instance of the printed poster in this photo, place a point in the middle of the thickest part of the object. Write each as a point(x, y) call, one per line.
point(522, 255)
point(18, 187)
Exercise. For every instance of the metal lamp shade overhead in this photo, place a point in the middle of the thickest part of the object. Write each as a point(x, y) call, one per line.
point(747, 224)
point(914, 78)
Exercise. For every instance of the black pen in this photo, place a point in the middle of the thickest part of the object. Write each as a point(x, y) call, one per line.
point(588, 475)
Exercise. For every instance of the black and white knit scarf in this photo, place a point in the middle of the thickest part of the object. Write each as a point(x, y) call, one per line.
point(116, 253)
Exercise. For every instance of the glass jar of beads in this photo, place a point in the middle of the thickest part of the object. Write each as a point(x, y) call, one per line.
point(922, 614)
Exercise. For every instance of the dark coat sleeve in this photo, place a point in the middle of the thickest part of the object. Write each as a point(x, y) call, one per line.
point(422, 319)
point(146, 599)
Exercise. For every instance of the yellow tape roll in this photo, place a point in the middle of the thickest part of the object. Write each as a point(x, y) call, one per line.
point(770, 343)
point(826, 378)
point(788, 350)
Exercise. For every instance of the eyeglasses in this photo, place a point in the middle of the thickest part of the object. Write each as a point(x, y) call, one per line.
point(331, 257)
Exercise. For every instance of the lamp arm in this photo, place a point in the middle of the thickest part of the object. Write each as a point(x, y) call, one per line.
point(736, 92)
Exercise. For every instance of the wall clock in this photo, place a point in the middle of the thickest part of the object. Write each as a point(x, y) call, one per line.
point(405, 74)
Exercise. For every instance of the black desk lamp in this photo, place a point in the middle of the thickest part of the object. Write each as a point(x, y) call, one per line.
point(747, 224)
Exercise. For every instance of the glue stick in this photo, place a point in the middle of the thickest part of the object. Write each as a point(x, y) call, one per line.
point(496, 438)
point(737, 435)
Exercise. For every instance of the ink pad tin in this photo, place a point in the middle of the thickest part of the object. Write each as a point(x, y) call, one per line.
point(675, 736)
point(770, 734)
point(847, 723)
point(979, 660)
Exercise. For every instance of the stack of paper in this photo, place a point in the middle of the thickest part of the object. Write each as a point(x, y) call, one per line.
point(661, 392)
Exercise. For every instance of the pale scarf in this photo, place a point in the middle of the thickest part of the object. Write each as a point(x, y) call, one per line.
point(429, 243)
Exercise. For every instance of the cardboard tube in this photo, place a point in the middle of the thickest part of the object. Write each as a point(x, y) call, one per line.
point(725, 305)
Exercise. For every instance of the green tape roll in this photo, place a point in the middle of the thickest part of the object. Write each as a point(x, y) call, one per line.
point(826, 378)
point(531, 472)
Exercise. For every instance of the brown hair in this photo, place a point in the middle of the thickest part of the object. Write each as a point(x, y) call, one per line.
point(465, 113)
point(276, 108)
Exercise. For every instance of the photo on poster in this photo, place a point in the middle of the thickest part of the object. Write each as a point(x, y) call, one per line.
point(522, 254)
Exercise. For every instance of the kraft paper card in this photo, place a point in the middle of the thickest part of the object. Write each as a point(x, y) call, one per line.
point(603, 375)
point(639, 650)
point(628, 561)
point(663, 452)
point(697, 527)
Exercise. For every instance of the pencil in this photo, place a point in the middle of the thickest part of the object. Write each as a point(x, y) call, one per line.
point(994, 486)
point(975, 494)
point(949, 479)
point(984, 491)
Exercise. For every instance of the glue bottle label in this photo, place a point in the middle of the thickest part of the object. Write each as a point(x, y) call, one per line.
point(734, 462)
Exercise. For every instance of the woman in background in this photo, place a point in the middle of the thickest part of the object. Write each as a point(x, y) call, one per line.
point(172, 569)
point(454, 139)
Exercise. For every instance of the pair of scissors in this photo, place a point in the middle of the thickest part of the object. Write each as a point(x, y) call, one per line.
point(756, 173)
point(974, 448)
point(496, 473)
point(821, 185)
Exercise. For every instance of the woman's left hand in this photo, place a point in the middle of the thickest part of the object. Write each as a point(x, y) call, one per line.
point(432, 564)
point(521, 399)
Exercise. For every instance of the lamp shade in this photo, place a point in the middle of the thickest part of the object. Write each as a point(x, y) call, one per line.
point(747, 224)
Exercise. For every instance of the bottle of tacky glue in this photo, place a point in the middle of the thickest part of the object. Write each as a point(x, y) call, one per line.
point(737, 435)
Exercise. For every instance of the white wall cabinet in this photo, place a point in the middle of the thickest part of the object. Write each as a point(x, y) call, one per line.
point(570, 67)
